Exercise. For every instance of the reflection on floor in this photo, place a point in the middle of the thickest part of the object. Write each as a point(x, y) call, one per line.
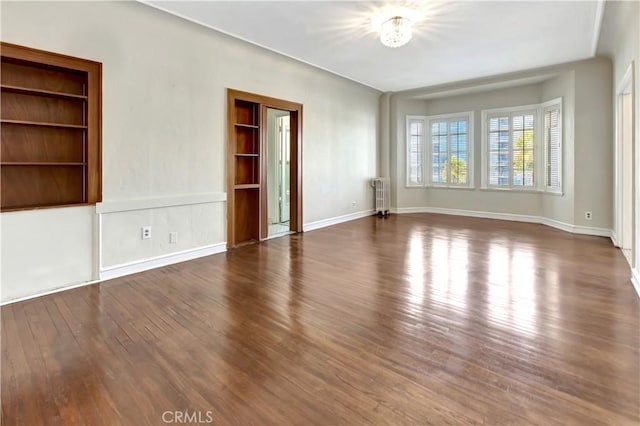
point(278, 229)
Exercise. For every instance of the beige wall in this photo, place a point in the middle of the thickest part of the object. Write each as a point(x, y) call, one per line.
point(164, 136)
point(587, 151)
point(464, 199)
point(620, 40)
point(593, 144)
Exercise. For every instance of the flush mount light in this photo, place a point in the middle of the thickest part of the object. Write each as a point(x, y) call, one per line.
point(395, 31)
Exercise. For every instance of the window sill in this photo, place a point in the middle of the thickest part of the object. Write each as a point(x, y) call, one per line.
point(555, 193)
point(468, 188)
point(516, 190)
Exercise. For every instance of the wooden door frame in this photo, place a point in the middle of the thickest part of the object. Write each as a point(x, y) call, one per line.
point(295, 113)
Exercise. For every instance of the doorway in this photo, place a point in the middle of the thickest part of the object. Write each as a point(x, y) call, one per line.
point(625, 161)
point(257, 169)
point(278, 172)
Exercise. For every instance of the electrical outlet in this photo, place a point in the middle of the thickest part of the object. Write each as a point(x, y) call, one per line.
point(173, 238)
point(588, 215)
point(353, 204)
point(146, 232)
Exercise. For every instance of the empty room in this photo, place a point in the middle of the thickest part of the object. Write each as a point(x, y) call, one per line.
point(320, 212)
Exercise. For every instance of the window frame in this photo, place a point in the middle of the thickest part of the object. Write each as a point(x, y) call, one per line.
point(427, 149)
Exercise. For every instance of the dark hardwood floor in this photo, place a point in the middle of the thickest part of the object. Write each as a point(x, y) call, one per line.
point(413, 319)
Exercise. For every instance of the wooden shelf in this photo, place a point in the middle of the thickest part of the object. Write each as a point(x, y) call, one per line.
point(44, 206)
point(247, 155)
point(248, 126)
point(38, 163)
point(28, 91)
point(248, 186)
point(38, 123)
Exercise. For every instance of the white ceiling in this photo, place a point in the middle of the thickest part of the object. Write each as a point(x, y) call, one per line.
point(452, 40)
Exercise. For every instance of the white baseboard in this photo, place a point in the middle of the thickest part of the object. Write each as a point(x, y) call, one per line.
point(635, 280)
point(468, 213)
point(600, 232)
point(134, 267)
point(47, 292)
point(156, 262)
point(335, 220)
point(614, 239)
point(575, 229)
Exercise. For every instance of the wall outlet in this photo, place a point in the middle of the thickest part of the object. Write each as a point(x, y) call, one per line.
point(146, 232)
point(588, 215)
point(353, 204)
point(173, 238)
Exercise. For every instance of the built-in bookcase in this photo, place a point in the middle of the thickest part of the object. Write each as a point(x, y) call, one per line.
point(246, 132)
point(50, 129)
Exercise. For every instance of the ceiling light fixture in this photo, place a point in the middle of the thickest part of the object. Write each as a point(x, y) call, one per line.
point(395, 32)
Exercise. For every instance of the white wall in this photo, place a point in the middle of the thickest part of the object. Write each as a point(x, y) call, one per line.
point(585, 89)
point(40, 244)
point(620, 40)
point(164, 134)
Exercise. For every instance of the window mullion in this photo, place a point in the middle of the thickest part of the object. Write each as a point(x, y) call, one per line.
point(510, 162)
point(426, 145)
point(450, 164)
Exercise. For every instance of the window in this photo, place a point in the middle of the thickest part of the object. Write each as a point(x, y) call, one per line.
point(522, 148)
point(553, 147)
point(512, 149)
point(440, 149)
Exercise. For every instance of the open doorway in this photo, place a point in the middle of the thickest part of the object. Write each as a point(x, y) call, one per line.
point(278, 172)
point(625, 166)
point(252, 178)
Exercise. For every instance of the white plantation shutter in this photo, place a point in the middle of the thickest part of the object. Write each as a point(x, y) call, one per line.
point(499, 154)
point(439, 154)
point(415, 151)
point(523, 148)
point(552, 147)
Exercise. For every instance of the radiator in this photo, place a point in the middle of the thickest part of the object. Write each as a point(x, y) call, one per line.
point(382, 186)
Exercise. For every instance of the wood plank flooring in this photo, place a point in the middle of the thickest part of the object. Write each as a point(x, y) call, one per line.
point(413, 319)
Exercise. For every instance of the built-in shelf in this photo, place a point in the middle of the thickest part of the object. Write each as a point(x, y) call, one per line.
point(249, 126)
point(247, 155)
point(51, 109)
point(38, 163)
point(28, 91)
point(38, 123)
point(248, 186)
